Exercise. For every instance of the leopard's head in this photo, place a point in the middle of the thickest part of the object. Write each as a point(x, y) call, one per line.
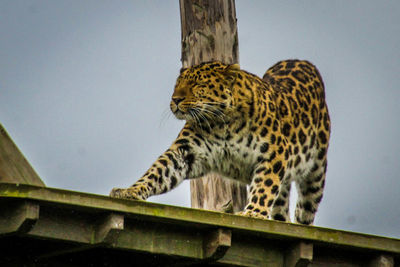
point(204, 92)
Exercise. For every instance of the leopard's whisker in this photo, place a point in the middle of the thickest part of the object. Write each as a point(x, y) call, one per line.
point(203, 117)
point(194, 113)
point(210, 112)
point(166, 114)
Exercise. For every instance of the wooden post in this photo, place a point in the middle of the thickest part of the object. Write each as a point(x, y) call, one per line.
point(209, 32)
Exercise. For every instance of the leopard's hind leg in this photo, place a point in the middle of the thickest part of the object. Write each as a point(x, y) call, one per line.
point(280, 207)
point(310, 191)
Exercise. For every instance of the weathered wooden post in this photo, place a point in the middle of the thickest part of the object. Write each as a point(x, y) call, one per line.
point(209, 32)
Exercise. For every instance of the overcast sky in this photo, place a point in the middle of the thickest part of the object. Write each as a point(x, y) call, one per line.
point(85, 87)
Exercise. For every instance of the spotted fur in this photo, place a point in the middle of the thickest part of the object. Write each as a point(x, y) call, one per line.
point(263, 132)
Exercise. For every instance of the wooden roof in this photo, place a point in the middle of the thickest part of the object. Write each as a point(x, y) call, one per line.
point(51, 226)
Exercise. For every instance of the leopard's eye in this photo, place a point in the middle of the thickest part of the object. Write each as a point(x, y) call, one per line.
point(201, 84)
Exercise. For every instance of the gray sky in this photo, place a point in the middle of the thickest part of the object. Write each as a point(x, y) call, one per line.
point(85, 87)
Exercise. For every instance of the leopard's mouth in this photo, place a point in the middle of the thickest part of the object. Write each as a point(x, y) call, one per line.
point(180, 115)
point(176, 111)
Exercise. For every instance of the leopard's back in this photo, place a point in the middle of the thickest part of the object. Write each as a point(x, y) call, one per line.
point(302, 108)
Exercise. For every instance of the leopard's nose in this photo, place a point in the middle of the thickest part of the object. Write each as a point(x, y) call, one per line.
point(177, 100)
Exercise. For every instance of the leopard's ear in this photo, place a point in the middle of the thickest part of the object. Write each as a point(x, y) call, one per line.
point(233, 67)
point(182, 70)
point(230, 72)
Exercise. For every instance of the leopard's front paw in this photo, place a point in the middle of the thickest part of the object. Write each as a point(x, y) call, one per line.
point(127, 193)
point(253, 214)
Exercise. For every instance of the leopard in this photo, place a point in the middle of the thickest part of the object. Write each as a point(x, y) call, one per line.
point(265, 132)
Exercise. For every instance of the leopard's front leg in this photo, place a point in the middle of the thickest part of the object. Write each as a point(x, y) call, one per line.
point(168, 171)
point(181, 161)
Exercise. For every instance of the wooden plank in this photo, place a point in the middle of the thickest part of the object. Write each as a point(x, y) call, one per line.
point(161, 239)
point(105, 232)
point(201, 219)
point(14, 168)
point(65, 225)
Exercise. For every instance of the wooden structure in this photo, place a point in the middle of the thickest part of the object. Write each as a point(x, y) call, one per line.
point(41, 226)
point(209, 32)
point(14, 168)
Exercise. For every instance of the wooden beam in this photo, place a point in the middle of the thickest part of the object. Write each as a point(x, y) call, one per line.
point(382, 261)
point(19, 217)
point(77, 225)
point(67, 203)
point(14, 168)
point(109, 228)
point(216, 243)
point(299, 255)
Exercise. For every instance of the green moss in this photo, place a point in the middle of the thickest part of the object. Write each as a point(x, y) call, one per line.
point(15, 192)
